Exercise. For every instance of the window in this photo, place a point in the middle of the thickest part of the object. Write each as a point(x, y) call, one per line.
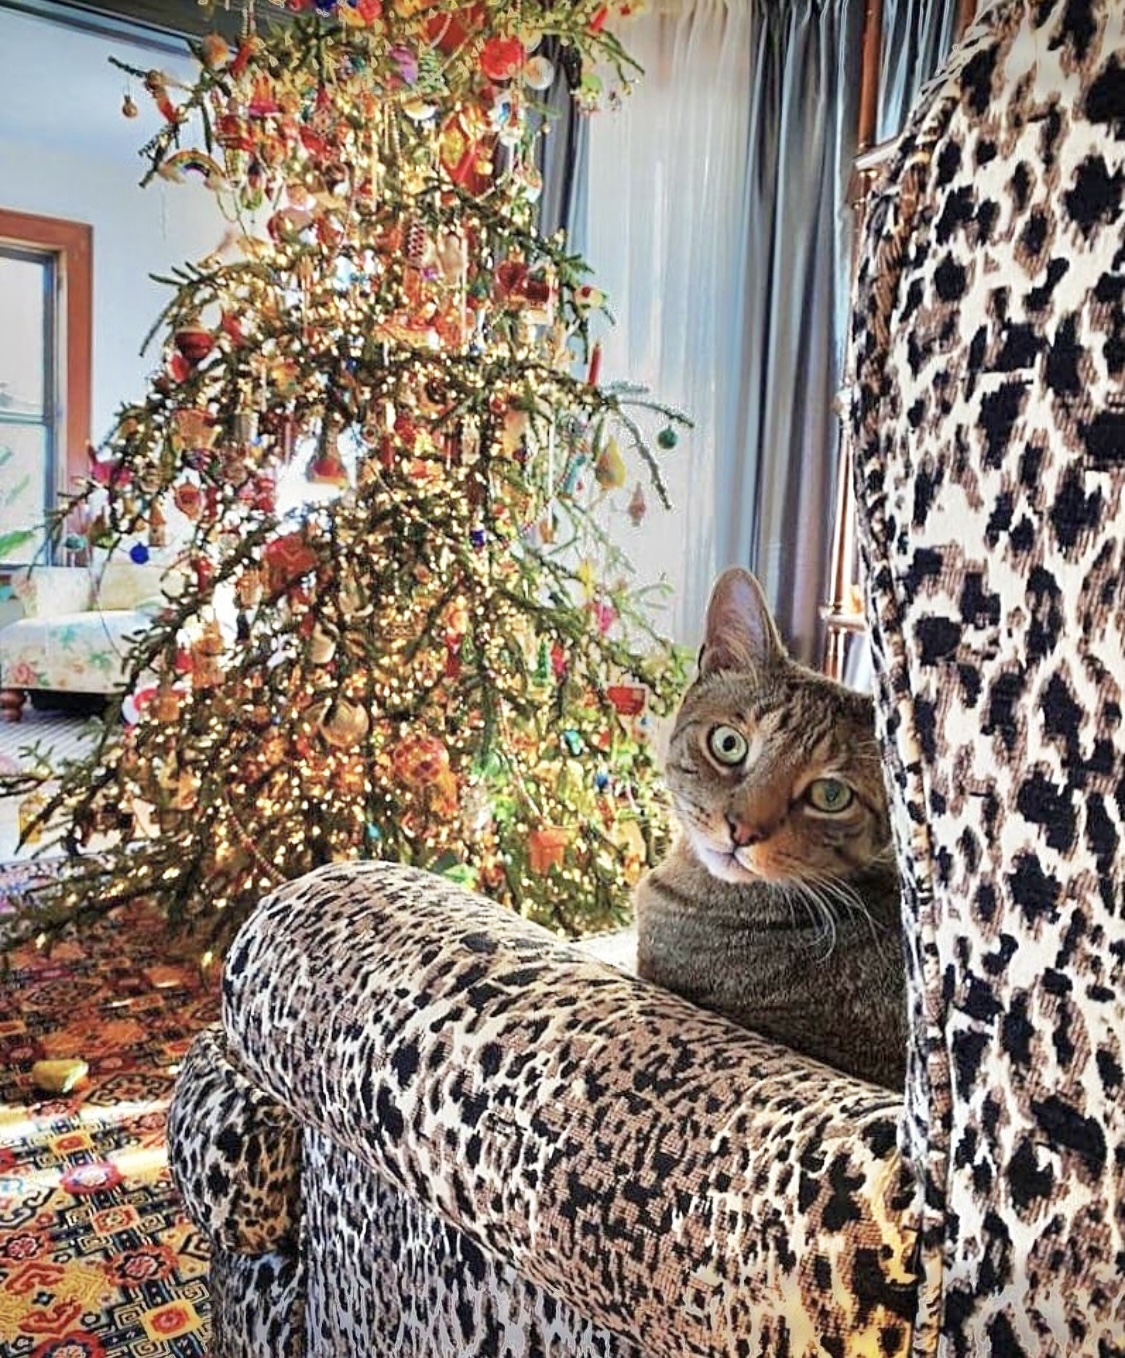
point(45, 361)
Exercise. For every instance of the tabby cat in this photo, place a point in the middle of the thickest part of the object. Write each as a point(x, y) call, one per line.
point(778, 906)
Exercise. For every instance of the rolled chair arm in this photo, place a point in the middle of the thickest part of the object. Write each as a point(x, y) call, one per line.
point(687, 1185)
point(234, 1153)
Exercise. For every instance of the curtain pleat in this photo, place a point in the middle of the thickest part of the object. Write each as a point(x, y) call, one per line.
point(784, 446)
point(917, 35)
point(713, 207)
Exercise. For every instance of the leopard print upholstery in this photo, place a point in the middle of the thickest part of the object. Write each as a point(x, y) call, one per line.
point(509, 1148)
point(258, 1310)
point(989, 432)
point(252, 1199)
point(234, 1153)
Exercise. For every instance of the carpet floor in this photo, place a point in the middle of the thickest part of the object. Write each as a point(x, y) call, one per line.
point(96, 1257)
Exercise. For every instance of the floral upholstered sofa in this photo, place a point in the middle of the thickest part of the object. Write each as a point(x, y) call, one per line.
point(76, 629)
point(426, 1128)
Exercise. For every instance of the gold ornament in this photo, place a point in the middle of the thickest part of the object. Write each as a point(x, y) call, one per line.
point(344, 724)
point(322, 644)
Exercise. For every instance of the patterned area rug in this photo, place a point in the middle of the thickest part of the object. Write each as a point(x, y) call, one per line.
point(96, 1257)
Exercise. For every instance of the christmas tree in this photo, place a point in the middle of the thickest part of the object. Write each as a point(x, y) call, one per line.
point(440, 658)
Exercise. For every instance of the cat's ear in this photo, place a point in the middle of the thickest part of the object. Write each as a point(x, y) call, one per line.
point(740, 632)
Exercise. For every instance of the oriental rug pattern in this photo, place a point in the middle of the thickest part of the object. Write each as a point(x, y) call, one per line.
point(96, 1258)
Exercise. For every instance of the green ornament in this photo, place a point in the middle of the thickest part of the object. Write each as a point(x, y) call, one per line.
point(667, 438)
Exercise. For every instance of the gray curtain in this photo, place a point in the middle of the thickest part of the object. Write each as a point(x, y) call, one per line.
point(783, 448)
point(917, 36)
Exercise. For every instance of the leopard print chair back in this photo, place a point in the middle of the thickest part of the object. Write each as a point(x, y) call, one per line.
point(988, 424)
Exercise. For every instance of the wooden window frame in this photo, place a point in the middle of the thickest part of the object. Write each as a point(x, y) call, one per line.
point(72, 244)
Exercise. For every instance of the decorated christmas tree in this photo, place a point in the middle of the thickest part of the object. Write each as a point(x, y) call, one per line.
point(436, 655)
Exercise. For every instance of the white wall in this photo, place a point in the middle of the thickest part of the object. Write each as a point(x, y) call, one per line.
point(67, 151)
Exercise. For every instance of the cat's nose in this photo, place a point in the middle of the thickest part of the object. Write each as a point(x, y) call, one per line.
point(743, 834)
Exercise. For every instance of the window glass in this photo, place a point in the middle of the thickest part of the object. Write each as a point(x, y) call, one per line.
point(23, 290)
point(27, 415)
point(24, 488)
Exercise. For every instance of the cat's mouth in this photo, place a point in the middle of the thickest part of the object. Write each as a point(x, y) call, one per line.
point(730, 865)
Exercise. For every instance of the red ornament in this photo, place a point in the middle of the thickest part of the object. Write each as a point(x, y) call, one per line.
point(327, 470)
point(188, 500)
point(448, 32)
point(595, 365)
point(193, 342)
point(246, 49)
point(265, 494)
point(179, 368)
point(465, 147)
point(109, 472)
point(628, 699)
point(286, 559)
point(511, 280)
point(502, 58)
point(406, 430)
point(234, 133)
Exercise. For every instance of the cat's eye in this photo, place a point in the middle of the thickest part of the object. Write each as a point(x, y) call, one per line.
point(829, 795)
point(727, 745)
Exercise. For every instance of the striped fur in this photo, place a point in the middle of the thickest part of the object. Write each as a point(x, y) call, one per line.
point(771, 909)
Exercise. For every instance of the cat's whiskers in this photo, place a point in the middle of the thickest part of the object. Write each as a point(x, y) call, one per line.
point(821, 918)
point(839, 891)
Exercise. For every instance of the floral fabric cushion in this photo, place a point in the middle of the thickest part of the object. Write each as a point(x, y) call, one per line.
point(72, 653)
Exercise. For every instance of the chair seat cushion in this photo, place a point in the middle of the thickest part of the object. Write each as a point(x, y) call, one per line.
point(71, 652)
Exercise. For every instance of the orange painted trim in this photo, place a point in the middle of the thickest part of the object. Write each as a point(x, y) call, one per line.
point(966, 13)
point(73, 245)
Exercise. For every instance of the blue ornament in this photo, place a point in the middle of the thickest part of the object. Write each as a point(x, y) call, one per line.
point(573, 742)
point(601, 780)
point(477, 537)
point(138, 554)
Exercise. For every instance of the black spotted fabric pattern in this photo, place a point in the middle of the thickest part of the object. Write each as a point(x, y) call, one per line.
point(988, 425)
point(509, 1147)
point(420, 1284)
point(258, 1307)
point(243, 1177)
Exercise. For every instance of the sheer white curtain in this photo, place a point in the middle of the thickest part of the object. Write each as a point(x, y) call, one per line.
point(662, 224)
point(716, 218)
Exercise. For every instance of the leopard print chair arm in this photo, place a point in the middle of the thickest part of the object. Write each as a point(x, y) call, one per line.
point(988, 426)
point(687, 1188)
point(249, 1195)
point(234, 1154)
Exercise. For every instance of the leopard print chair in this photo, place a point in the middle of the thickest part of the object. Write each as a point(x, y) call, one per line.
point(426, 1128)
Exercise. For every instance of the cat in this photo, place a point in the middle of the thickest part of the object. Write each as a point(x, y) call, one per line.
point(778, 903)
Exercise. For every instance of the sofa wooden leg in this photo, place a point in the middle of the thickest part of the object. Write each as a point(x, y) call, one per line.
point(11, 703)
